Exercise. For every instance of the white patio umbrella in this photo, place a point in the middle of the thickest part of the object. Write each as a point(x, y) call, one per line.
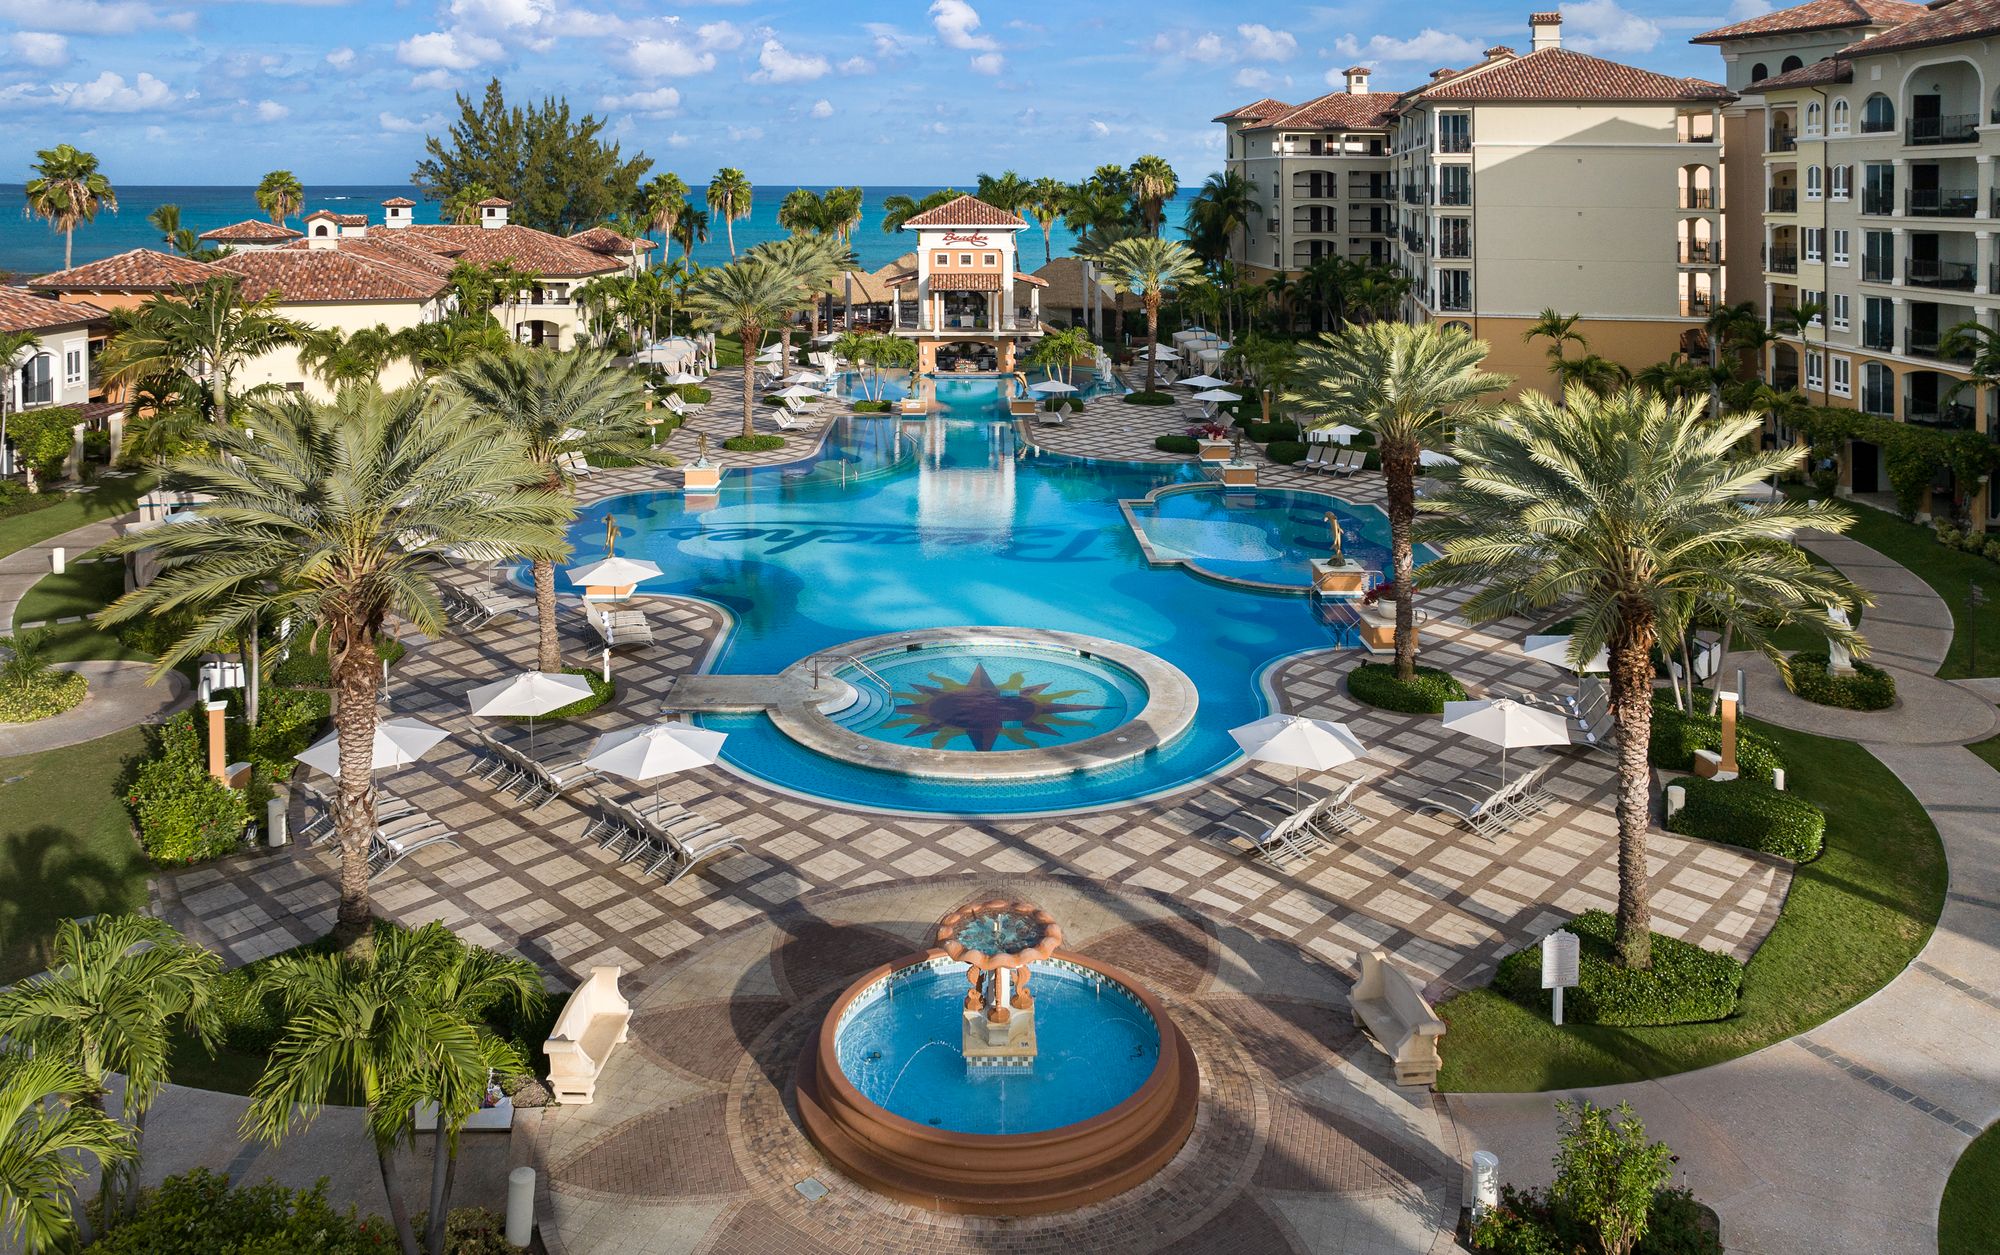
point(826, 337)
point(660, 749)
point(398, 743)
point(1509, 724)
point(794, 390)
point(1051, 387)
point(1431, 457)
point(1161, 353)
point(1341, 433)
point(1218, 394)
point(680, 377)
point(1555, 649)
point(1202, 381)
point(1299, 743)
point(805, 376)
point(614, 571)
point(528, 694)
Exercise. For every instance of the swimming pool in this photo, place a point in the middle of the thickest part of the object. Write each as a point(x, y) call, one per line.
point(946, 521)
point(1256, 535)
point(963, 396)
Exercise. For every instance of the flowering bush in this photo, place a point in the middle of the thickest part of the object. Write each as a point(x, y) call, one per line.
point(1209, 431)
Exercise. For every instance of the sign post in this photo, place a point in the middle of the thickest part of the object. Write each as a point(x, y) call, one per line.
point(1559, 963)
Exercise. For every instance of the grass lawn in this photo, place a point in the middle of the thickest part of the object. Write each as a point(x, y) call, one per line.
point(1854, 918)
point(1969, 1216)
point(1989, 750)
point(66, 844)
point(1951, 574)
point(112, 498)
point(84, 589)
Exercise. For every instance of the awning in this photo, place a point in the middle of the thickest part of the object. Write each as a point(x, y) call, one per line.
point(970, 281)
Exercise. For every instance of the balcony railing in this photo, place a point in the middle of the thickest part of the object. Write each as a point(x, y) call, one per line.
point(1701, 253)
point(1454, 196)
point(1325, 224)
point(1449, 142)
point(1878, 200)
point(1877, 126)
point(1454, 248)
point(1697, 198)
point(1926, 272)
point(1697, 306)
point(1876, 268)
point(1953, 417)
point(1928, 346)
point(1785, 380)
point(1784, 200)
point(1952, 128)
point(964, 322)
point(1943, 202)
point(1878, 335)
point(1783, 142)
point(1782, 261)
point(1702, 134)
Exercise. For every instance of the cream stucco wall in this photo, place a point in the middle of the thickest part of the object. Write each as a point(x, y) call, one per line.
point(282, 366)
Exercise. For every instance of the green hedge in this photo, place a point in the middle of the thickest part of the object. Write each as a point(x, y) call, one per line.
point(184, 814)
point(306, 666)
point(1286, 452)
point(753, 444)
point(200, 1213)
point(1148, 398)
point(42, 697)
point(873, 407)
point(601, 691)
point(1677, 735)
point(1869, 688)
point(1265, 433)
point(1746, 813)
point(1177, 444)
point(1685, 985)
point(1375, 684)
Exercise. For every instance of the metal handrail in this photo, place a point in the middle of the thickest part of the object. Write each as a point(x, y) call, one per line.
point(854, 662)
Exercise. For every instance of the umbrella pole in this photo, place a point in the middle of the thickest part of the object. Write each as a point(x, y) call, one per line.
point(1503, 765)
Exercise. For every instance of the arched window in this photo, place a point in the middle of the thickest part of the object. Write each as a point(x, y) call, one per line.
point(1790, 64)
point(1814, 188)
point(1455, 325)
point(1812, 118)
point(1759, 72)
point(1878, 114)
point(38, 378)
point(1843, 182)
point(1840, 117)
point(1878, 388)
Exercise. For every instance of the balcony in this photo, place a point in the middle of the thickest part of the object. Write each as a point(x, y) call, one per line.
point(1455, 302)
point(1697, 198)
point(1950, 417)
point(1878, 335)
point(1878, 200)
point(1942, 202)
point(1782, 261)
point(1315, 224)
point(1783, 142)
point(1785, 378)
point(1450, 142)
point(1784, 200)
point(1952, 128)
point(1697, 306)
point(1876, 268)
point(1458, 249)
point(1701, 253)
point(923, 324)
point(1459, 196)
point(1697, 130)
point(1926, 272)
point(1927, 346)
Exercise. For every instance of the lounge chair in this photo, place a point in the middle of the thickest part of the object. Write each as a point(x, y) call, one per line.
point(391, 849)
point(1289, 838)
point(618, 628)
point(1314, 460)
point(1487, 807)
point(388, 808)
point(1049, 418)
point(1347, 461)
point(474, 608)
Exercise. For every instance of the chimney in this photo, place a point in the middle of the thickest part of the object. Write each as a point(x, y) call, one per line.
point(396, 212)
point(1545, 30)
point(493, 212)
point(1357, 80)
point(322, 231)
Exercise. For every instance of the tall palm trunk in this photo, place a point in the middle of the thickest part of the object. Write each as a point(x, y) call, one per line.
point(253, 672)
point(1632, 707)
point(1152, 336)
point(69, 245)
point(357, 680)
point(751, 337)
point(1399, 469)
point(399, 1210)
point(444, 1166)
point(548, 649)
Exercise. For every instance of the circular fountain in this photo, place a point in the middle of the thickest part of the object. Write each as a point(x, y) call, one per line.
point(996, 1075)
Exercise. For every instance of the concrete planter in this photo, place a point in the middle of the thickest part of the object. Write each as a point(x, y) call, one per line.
point(701, 478)
point(1239, 474)
point(1378, 627)
point(1339, 579)
point(1217, 451)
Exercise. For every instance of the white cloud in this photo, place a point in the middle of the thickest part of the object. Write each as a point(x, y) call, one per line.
point(436, 80)
point(340, 58)
point(1749, 8)
point(666, 56)
point(957, 25)
point(395, 124)
point(822, 109)
point(94, 17)
point(988, 63)
point(721, 36)
point(678, 140)
point(856, 65)
point(890, 42)
point(1098, 130)
point(660, 102)
point(1602, 26)
point(778, 64)
point(1261, 43)
point(1251, 76)
point(448, 50)
point(272, 111)
point(110, 93)
point(501, 15)
point(1429, 46)
point(739, 134)
point(39, 49)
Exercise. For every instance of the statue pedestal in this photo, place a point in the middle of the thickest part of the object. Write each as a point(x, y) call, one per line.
point(701, 478)
point(1346, 578)
point(988, 1044)
point(1217, 451)
point(1378, 628)
point(1239, 474)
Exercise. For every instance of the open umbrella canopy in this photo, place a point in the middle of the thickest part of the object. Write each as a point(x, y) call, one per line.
point(398, 743)
point(1202, 381)
point(614, 571)
point(1051, 385)
point(660, 749)
point(1217, 394)
point(1296, 741)
point(1340, 432)
point(794, 390)
point(680, 377)
point(826, 337)
point(530, 693)
point(1431, 457)
point(1555, 649)
point(1509, 724)
point(805, 376)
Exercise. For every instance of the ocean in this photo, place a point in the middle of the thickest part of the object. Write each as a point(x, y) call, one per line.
point(29, 248)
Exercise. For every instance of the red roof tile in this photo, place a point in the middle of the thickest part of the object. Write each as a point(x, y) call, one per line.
point(1558, 74)
point(524, 248)
point(605, 240)
point(305, 275)
point(965, 281)
point(1943, 24)
point(253, 231)
point(496, 202)
point(966, 211)
point(1361, 110)
point(21, 310)
point(141, 270)
point(399, 202)
point(1255, 110)
point(1817, 15)
point(1830, 70)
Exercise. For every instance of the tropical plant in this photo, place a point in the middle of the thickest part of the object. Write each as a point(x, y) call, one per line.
point(394, 1024)
point(280, 195)
point(206, 332)
point(1558, 329)
point(50, 1135)
point(1152, 184)
point(461, 206)
point(1971, 340)
point(817, 260)
point(67, 189)
point(558, 407)
point(743, 299)
point(1607, 1173)
point(1267, 365)
point(729, 194)
point(357, 357)
point(1044, 203)
point(1408, 384)
point(898, 208)
point(116, 988)
point(1588, 370)
point(1149, 268)
point(1375, 293)
point(878, 352)
point(15, 347)
point(166, 219)
point(1060, 352)
point(432, 347)
point(341, 510)
point(1679, 376)
point(1626, 509)
point(661, 204)
point(1225, 205)
point(1007, 190)
point(690, 229)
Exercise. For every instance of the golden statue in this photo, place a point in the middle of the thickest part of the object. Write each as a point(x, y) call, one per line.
point(611, 536)
point(1333, 525)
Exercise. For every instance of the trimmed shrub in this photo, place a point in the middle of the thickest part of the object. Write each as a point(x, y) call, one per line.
point(42, 439)
point(601, 691)
point(1685, 985)
point(184, 814)
point(872, 407)
point(1869, 688)
point(1375, 684)
point(692, 393)
point(1073, 404)
point(1265, 433)
point(1148, 398)
point(287, 721)
point(43, 697)
point(200, 1213)
point(1286, 452)
point(305, 666)
point(1529, 1222)
point(1749, 814)
point(1677, 735)
point(753, 444)
point(1177, 444)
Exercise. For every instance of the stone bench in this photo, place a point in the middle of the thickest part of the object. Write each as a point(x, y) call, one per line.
point(1388, 1004)
point(593, 1021)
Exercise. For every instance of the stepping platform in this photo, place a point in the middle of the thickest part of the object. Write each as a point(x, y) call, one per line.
point(747, 694)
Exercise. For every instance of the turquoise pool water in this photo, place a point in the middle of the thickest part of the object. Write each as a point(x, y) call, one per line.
point(1258, 534)
point(988, 698)
point(967, 396)
point(944, 522)
point(900, 1044)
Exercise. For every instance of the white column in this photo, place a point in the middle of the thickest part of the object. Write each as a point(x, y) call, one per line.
point(1983, 207)
point(1980, 286)
point(1899, 262)
point(1902, 167)
point(1899, 325)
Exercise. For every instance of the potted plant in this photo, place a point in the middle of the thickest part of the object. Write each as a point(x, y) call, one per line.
point(1378, 618)
point(1216, 445)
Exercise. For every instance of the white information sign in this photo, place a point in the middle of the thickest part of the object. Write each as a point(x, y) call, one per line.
point(1559, 963)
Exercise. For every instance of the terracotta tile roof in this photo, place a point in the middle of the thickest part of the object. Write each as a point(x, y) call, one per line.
point(966, 211)
point(966, 281)
point(1818, 15)
point(1943, 24)
point(876, 288)
point(1829, 70)
point(1360, 110)
point(399, 202)
point(1557, 74)
point(1064, 277)
point(342, 220)
point(605, 240)
point(251, 232)
point(388, 250)
point(524, 248)
point(496, 202)
point(307, 275)
point(21, 310)
point(141, 270)
point(1255, 110)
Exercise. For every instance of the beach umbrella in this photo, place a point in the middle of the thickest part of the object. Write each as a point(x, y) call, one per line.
point(660, 749)
point(398, 743)
point(528, 694)
point(1555, 649)
point(680, 377)
point(795, 390)
point(615, 572)
point(1051, 386)
point(1202, 381)
point(826, 337)
point(1299, 743)
point(1509, 724)
point(1341, 432)
point(805, 376)
point(1431, 457)
point(1217, 394)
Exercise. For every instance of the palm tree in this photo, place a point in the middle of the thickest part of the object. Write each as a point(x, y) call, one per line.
point(462, 207)
point(207, 332)
point(1679, 376)
point(1972, 339)
point(1268, 365)
point(1149, 268)
point(691, 229)
point(1588, 370)
point(1045, 201)
point(1008, 191)
point(1558, 329)
point(438, 346)
point(898, 208)
point(558, 407)
point(843, 211)
point(68, 189)
point(1627, 509)
point(817, 260)
point(801, 211)
point(1223, 207)
point(1153, 184)
point(49, 1135)
point(742, 299)
point(1407, 383)
point(662, 202)
point(728, 197)
point(280, 195)
point(1376, 292)
point(357, 357)
point(166, 219)
point(113, 990)
point(1062, 351)
point(342, 510)
point(393, 1024)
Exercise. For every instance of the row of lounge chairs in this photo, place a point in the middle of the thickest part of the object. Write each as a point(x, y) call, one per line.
point(618, 628)
point(471, 609)
point(400, 829)
point(1288, 834)
point(535, 783)
point(1339, 463)
point(669, 840)
point(1488, 805)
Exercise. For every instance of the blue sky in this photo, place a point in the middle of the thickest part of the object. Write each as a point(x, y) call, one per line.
point(855, 91)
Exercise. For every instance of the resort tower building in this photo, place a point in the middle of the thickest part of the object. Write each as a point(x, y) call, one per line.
point(967, 316)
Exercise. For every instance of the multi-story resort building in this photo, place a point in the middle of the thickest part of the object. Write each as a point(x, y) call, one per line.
point(965, 281)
